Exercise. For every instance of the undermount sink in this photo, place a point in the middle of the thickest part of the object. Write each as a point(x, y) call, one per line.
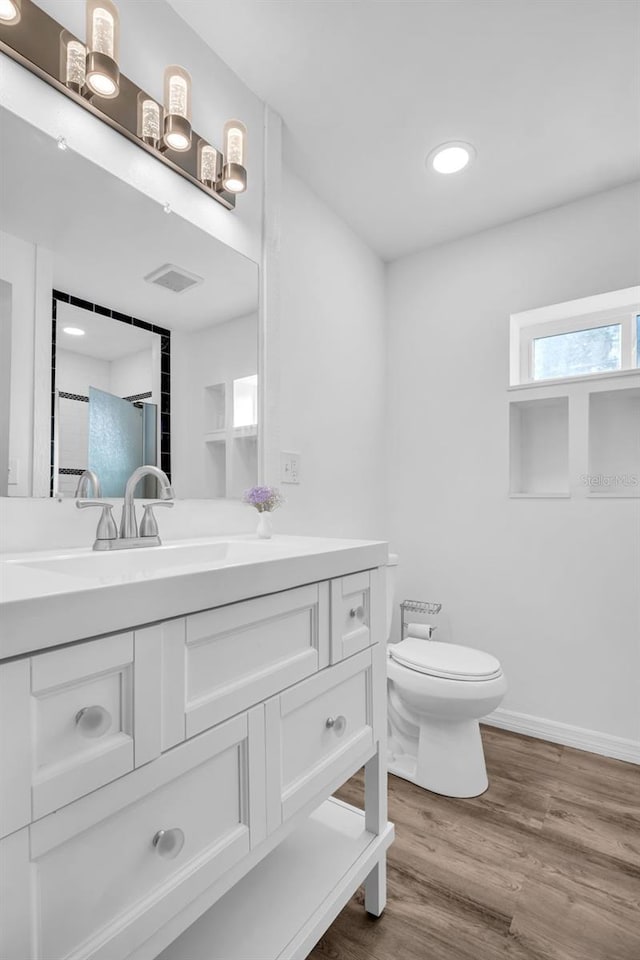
point(168, 559)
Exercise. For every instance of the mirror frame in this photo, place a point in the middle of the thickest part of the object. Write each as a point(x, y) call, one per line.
point(165, 377)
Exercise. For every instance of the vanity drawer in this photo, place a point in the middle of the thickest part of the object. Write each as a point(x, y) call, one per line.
point(315, 731)
point(235, 656)
point(355, 613)
point(70, 714)
point(100, 875)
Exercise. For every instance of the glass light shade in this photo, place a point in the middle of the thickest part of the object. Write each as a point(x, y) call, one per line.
point(10, 11)
point(208, 164)
point(149, 120)
point(103, 48)
point(235, 142)
point(234, 174)
point(73, 62)
point(177, 108)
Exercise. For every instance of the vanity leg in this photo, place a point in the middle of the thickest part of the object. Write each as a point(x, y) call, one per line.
point(375, 808)
point(375, 889)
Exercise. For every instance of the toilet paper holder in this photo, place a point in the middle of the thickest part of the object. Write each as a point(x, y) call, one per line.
point(418, 606)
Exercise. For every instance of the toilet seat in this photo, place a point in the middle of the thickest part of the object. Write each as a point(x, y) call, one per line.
point(448, 661)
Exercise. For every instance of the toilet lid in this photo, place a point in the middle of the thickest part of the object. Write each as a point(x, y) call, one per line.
point(447, 660)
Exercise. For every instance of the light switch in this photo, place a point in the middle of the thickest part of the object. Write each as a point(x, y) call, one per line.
point(289, 468)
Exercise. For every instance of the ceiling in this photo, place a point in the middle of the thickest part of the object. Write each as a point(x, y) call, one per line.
point(546, 90)
point(102, 340)
point(106, 236)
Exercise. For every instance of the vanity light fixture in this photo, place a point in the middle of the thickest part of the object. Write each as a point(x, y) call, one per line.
point(149, 120)
point(234, 174)
point(86, 70)
point(74, 331)
point(209, 164)
point(177, 109)
point(10, 11)
point(103, 43)
point(451, 157)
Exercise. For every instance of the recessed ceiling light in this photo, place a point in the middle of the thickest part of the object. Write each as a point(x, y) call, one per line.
point(451, 157)
point(73, 331)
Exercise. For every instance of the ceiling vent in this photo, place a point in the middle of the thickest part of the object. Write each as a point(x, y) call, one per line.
point(173, 278)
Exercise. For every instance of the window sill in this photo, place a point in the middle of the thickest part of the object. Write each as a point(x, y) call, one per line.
point(562, 381)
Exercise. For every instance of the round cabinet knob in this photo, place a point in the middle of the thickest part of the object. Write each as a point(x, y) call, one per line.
point(356, 613)
point(337, 724)
point(169, 843)
point(93, 721)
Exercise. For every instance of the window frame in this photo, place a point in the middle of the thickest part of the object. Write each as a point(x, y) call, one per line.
point(603, 310)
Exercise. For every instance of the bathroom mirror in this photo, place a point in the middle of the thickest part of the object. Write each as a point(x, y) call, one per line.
point(151, 326)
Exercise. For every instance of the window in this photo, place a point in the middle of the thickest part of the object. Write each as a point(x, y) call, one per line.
point(579, 353)
point(582, 338)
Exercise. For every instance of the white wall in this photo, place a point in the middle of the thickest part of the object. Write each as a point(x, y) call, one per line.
point(331, 393)
point(549, 586)
point(5, 381)
point(27, 268)
point(132, 374)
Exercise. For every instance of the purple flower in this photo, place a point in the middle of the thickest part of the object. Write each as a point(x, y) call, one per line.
point(264, 499)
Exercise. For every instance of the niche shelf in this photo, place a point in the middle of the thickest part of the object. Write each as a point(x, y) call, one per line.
point(244, 464)
point(215, 468)
point(231, 451)
point(576, 439)
point(215, 408)
point(539, 447)
point(614, 443)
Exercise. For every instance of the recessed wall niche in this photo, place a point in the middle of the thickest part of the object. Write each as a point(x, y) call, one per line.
point(539, 443)
point(614, 443)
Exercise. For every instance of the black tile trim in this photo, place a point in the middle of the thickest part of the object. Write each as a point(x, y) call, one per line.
point(165, 349)
point(71, 471)
point(137, 396)
point(73, 396)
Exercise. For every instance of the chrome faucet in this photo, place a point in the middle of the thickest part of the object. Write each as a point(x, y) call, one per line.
point(88, 479)
point(107, 537)
point(129, 523)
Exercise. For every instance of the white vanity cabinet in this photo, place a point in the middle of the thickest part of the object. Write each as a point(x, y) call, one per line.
point(148, 775)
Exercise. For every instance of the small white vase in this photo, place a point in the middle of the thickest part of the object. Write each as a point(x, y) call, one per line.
point(265, 525)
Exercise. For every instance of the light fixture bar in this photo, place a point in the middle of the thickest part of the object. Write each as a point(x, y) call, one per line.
point(39, 43)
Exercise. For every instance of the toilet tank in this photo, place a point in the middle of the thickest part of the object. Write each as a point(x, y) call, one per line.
point(392, 564)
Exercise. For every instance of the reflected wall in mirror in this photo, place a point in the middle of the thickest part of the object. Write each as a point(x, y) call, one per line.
point(169, 317)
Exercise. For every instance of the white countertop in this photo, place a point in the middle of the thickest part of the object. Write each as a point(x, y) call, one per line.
point(40, 608)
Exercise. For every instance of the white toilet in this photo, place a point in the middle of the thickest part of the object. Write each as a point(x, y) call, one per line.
point(437, 692)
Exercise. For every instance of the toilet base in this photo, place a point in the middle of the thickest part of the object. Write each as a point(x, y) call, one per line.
point(449, 761)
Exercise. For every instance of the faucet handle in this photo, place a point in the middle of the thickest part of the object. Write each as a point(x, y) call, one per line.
point(149, 524)
point(107, 529)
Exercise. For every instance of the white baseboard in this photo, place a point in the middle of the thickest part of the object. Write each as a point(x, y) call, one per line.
point(579, 737)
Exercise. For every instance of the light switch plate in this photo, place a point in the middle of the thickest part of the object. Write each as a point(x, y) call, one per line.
point(289, 467)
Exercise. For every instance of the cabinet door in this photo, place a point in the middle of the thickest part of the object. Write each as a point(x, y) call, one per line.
point(238, 655)
point(316, 732)
point(101, 875)
point(357, 613)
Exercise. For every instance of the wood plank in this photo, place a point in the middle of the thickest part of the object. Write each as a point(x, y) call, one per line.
point(544, 866)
